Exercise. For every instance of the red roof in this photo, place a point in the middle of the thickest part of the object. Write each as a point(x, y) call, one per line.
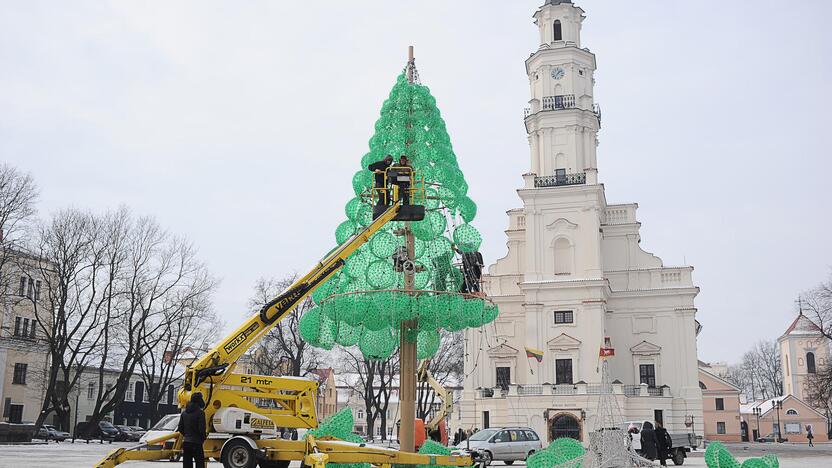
point(802, 323)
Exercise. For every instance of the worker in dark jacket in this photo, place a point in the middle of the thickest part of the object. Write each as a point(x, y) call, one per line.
point(649, 443)
point(379, 168)
point(193, 430)
point(665, 443)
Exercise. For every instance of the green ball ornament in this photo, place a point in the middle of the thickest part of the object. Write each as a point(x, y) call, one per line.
point(467, 238)
point(361, 181)
point(467, 209)
point(309, 326)
point(344, 231)
point(378, 345)
point(383, 244)
point(427, 343)
point(348, 335)
point(380, 274)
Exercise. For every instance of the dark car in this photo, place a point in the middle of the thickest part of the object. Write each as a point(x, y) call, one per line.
point(103, 431)
point(127, 434)
point(138, 430)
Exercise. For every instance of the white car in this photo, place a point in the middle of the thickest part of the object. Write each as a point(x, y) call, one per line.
point(166, 425)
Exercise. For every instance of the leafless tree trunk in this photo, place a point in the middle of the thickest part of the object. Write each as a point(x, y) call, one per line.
point(365, 385)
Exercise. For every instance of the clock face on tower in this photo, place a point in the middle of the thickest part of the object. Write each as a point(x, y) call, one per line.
point(557, 73)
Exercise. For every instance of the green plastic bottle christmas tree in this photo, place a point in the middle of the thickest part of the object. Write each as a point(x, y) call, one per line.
point(365, 302)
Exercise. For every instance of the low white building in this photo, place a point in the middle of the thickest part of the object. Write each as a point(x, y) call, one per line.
point(575, 273)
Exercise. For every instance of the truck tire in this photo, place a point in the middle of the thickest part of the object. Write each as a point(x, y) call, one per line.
point(678, 457)
point(237, 453)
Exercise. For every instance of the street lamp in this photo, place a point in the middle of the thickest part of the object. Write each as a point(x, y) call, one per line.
point(778, 405)
point(757, 412)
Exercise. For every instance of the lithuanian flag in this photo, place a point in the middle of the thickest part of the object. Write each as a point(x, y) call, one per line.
point(534, 353)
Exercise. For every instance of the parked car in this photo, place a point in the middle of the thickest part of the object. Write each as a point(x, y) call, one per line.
point(56, 434)
point(506, 444)
point(138, 430)
point(127, 434)
point(47, 433)
point(165, 425)
point(771, 437)
point(103, 430)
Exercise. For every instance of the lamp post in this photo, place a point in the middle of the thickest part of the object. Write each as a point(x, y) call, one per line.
point(757, 411)
point(778, 405)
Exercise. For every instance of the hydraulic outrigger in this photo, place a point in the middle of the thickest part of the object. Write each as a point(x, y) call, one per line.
point(242, 430)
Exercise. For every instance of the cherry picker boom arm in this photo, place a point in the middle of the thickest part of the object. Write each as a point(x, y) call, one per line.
point(216, 361)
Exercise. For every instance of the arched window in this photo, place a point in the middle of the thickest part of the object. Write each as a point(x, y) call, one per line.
point(702, 385)
point(810, 363)
point(791, 412)
point(558, 32)
point(563, 256)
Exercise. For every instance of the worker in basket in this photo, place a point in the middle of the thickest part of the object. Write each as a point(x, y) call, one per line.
point(400, 175)
point(378, 169)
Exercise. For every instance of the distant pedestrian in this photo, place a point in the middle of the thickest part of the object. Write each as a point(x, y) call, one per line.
point(649, 443)
point(665, 443)
point(810, 436)
point(193, 430)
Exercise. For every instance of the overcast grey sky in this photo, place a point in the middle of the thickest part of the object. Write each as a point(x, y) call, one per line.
point(240, 124)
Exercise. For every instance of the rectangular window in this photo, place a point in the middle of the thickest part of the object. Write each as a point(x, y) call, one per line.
point(390, 431)
point(37, 290)
point(792, 428)
point(90, 390)
point(17, 323)
point(22, 291)
point(16, 414)
point(658, 416)
point(170, 394)
point(7, 406)
point(486, 419)
point(720, 404)
point(563, 371)
point(647, 374)
point(503, 377)
point(31, 290)
point(25, 327)
point(32, 328)
point(128, 395)
point(19, 374)
point(378, 431)
point(720, 427)
point(563, 316)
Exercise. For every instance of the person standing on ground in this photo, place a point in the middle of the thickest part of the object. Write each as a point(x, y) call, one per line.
point(664, 443)
point(649, 443)
point(810, 436)
point(193, 430)
point(378, 169)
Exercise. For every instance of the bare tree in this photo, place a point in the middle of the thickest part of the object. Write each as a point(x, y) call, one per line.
point(760, 374)
point(447, 368)
point(71, 263)
point(387, 372)
point(18, 194)
point(817, 303)
point(365, 385)
point(190, 325)
point(282, 350)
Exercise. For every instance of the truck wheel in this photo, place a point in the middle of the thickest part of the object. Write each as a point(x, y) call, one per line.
point(678, 457)
point(238, 454)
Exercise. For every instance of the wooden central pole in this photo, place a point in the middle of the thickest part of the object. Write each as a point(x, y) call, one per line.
point(408, 332)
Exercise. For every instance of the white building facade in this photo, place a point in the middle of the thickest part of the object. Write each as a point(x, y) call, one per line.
point(575, 274)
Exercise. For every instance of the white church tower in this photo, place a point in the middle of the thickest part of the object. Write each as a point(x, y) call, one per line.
point(574, 274)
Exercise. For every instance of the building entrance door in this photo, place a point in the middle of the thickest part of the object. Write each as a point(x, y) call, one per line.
point(565, 425)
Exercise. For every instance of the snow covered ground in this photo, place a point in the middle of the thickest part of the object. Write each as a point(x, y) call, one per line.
point(81, 455)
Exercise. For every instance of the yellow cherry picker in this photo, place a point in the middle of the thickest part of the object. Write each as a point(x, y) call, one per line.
point(243, 430)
